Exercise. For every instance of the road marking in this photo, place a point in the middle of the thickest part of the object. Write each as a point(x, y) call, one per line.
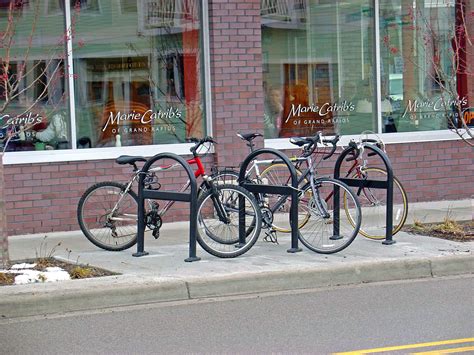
point(411, 346)
point(447, 351)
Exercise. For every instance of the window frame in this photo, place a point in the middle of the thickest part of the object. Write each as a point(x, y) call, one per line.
point(107, 153)
point(389, 138)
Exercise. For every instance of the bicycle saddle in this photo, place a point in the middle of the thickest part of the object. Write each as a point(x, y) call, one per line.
point(128, 159)
point(248, 136)
point(299, 141)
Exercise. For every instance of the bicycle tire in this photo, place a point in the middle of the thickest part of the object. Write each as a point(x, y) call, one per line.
point(373, 206)
point(227, 177)
point(318, 233)
point(93, 208)
point(220, 177)
point(278, 174)
point(218, 241)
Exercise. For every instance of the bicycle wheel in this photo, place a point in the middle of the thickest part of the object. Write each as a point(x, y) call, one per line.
point(228, 177)
point(218, 221)
point(108, 219)
point(320, 233)
point(374, 203)
point(278, 174)
point(223, 177)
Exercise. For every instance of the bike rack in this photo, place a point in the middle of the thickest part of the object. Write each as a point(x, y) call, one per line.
point(144, 194)
point(271, 189)
point(375, 184)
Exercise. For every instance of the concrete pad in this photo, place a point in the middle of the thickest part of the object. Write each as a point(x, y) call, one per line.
point(163, 275)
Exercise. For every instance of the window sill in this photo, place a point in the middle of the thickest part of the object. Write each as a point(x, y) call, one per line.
point(56, 156)
point(388, 138)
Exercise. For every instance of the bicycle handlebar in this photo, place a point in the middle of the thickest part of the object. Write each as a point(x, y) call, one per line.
point(309, 144)
point(334, 145)
point(198, 142)
point(356, 152)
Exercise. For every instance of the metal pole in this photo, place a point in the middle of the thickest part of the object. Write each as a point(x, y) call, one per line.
point(141, 219)
point(192, 219)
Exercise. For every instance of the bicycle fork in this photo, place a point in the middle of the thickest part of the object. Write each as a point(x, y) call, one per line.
point(318, 202)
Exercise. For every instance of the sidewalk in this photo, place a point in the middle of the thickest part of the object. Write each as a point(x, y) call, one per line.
point(164, 276)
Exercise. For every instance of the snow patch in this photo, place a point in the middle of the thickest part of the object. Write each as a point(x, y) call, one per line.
point(52, 274)
point(23, 266)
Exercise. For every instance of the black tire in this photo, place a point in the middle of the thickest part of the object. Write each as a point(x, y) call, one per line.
point(227, 177)
point(221, 238)
point(92, 214)
point(317, 234)
point(221, 177)
point(278, 174)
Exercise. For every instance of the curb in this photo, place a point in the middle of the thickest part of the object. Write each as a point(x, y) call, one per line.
point(116, 291)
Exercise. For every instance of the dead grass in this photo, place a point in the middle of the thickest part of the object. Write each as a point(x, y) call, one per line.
point(76, 271)
point(6, 279)
point(462, 231)
point(44, 259)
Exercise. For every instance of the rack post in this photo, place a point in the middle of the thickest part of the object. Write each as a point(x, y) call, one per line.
point(374, 184)
point(271, 189)
point(190, 197)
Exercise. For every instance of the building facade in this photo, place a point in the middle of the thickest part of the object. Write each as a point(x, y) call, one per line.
point(84, 82)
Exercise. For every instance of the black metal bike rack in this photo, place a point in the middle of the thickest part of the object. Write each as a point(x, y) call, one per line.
point(190, 197)
point(375, 184)
point(271, 189)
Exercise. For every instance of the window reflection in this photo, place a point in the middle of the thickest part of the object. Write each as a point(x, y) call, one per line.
point(318, 56)
point(420, 78)
point(34, 113)
point(140, 81)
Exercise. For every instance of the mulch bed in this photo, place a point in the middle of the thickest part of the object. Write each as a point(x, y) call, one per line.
point(459, 231)
point(76, 271)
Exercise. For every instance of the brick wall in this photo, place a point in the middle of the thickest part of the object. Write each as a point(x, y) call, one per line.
point(236, 70)
point(4, 257)
point(42, 198)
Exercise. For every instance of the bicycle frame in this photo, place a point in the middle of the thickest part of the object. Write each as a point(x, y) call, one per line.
point(311, 171)
point(200, 171)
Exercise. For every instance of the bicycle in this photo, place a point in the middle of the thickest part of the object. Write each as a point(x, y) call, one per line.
point(373, 201)
point(316, 198)
point(107, 211)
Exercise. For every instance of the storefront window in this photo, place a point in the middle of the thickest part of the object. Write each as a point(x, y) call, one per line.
point(318, 67)
point(139, 78)
point(423, 82)
point(34, 111)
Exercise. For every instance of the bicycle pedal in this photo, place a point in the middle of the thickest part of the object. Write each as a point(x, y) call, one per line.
point(271, 237)
point(156, 233)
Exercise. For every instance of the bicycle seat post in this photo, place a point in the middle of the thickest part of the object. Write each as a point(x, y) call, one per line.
point(251, 146)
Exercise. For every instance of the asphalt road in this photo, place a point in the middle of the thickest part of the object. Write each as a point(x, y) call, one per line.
point(315, 321)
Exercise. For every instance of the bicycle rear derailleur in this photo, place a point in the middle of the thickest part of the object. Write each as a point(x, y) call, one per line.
point(154, 221)
point(270, 233)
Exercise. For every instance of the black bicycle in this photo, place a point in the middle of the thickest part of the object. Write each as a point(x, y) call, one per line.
point(327, 223)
